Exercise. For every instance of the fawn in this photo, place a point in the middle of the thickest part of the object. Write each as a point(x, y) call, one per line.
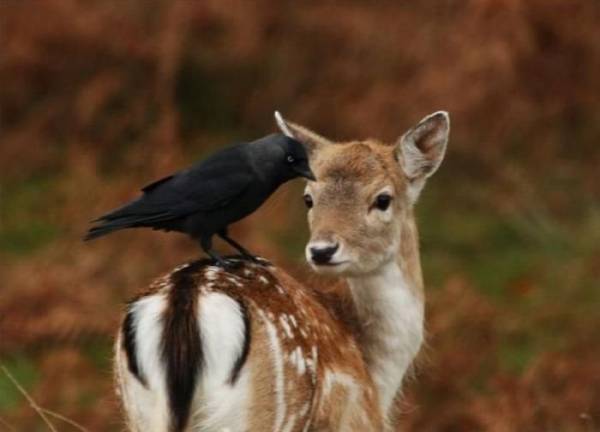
point(252, 349)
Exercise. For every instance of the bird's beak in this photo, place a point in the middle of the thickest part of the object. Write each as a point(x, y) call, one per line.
point(305, 172)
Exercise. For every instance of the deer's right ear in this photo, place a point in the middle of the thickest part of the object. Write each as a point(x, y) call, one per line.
point(312, 141)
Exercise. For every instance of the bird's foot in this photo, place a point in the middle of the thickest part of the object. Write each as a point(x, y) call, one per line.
point(229, 264)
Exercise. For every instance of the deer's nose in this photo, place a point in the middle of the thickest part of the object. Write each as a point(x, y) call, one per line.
point(323, 254)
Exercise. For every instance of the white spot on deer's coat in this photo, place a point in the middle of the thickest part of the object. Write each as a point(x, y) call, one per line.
point(286, 327)
point(315, 358)
point(335, 378)
point(289, 426)
point(180, 267)
point(234, 281)
point(303, 410)
point(278, 369)
point(212, 273)
point(293, 320)
point(306, 425)
point(296, 357)
point(263, 279)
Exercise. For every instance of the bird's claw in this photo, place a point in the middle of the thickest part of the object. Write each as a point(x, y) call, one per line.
point(229, 264)
point(257, 260)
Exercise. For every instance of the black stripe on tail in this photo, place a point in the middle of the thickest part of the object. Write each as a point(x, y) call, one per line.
point(181, 345)
point(241, 360)
point(129, 345)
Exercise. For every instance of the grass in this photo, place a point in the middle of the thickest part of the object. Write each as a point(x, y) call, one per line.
point(517, 351)
point(24, 369)
point(23, 238)
point(100, 354)
point(43, 413)
point(27, 215)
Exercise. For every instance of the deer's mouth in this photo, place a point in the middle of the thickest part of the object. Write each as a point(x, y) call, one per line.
point(332, 267)
point(329, 264)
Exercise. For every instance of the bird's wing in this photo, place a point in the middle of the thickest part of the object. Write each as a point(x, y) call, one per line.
point(210, 185)
point(207, 187)
point(189, 193)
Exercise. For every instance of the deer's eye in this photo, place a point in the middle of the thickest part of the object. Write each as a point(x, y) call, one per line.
point(308, 201)
point(291, 159)
point(382, 201)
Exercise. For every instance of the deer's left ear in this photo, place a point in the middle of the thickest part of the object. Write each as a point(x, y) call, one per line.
point(421, 150)
point(312, 141)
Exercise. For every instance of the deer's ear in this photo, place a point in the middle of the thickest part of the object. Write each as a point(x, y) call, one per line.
point(312, 141)
point(421, 150)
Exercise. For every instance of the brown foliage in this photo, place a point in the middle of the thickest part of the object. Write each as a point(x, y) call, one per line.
point(98, 97)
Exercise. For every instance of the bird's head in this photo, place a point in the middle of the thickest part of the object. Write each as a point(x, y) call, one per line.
point(297, 151)
point(296, 159)
point(285, 157)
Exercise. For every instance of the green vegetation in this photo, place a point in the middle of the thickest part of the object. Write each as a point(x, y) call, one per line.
point(27, 211)
point(23, 368)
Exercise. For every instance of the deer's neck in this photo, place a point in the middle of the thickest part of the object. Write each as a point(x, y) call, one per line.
point(390, 307)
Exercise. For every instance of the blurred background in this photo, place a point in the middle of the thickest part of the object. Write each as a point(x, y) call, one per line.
point(99, 98)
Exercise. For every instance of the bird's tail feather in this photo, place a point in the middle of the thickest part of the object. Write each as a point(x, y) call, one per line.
point(99, 231)
point(106, 226)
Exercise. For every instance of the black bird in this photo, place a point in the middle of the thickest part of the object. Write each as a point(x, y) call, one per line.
point(204, 199)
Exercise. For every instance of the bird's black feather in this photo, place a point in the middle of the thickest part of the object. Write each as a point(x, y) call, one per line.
point(205, 198)
point(156, 183)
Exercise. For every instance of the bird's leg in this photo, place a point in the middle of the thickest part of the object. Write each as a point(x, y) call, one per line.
point(245, 253)
point(206, 245)
point(242, 250)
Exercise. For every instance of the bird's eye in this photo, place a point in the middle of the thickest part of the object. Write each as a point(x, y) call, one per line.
point(382, 202)
point(291, 159)
point(308, 200)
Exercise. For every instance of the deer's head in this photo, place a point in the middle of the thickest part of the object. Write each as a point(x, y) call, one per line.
point(364, 191)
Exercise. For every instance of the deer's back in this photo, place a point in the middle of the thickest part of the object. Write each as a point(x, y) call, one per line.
point(252, 349)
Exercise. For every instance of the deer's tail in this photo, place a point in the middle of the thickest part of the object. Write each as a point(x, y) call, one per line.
point(170, 341)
